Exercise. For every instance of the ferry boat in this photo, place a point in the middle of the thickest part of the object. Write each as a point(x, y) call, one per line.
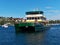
point(35, 21)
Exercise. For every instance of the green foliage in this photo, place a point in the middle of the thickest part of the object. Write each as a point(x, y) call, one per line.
point(54, 21)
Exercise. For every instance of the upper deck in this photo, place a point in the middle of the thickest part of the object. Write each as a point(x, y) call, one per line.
point(34, 12)
point(33, 16)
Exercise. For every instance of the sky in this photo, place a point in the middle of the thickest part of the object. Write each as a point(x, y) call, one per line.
point(17, 8)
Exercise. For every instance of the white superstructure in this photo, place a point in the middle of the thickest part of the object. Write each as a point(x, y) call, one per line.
point(33, 16)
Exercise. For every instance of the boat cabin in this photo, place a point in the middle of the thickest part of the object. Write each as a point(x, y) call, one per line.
point(35, 16)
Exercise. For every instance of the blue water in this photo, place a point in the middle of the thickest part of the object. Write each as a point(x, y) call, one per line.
point(7, 36)
point(48, 37)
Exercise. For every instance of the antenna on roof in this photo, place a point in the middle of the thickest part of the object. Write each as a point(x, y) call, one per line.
point(36, 9)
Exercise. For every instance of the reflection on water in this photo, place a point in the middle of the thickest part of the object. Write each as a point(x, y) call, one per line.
point(48, 37)
point(30, 38)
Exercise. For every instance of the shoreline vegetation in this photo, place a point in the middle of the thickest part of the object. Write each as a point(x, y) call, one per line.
point(11, 20)
point(54, 21)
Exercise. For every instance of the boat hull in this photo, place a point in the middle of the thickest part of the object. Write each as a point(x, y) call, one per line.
point(30, 27)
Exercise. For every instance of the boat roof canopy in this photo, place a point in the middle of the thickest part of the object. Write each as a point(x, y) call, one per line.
point(34, 12)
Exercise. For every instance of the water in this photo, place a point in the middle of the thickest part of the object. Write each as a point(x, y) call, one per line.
point(48, 37)
point(7, 36)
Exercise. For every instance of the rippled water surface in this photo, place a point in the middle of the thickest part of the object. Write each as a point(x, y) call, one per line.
point(48, 37)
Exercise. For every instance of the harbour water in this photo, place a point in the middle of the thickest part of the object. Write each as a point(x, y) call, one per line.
point(48, 37)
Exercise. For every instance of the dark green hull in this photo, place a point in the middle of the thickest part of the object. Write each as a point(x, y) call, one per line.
point(29, 27)
point(24, 27)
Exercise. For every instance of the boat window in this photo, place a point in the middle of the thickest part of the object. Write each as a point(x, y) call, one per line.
point(35, 17)
point(32, 17)
point(28, 18)
point(38, 17)
point(43, 18)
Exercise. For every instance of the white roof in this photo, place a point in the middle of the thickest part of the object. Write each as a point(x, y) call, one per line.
point(36, 15)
